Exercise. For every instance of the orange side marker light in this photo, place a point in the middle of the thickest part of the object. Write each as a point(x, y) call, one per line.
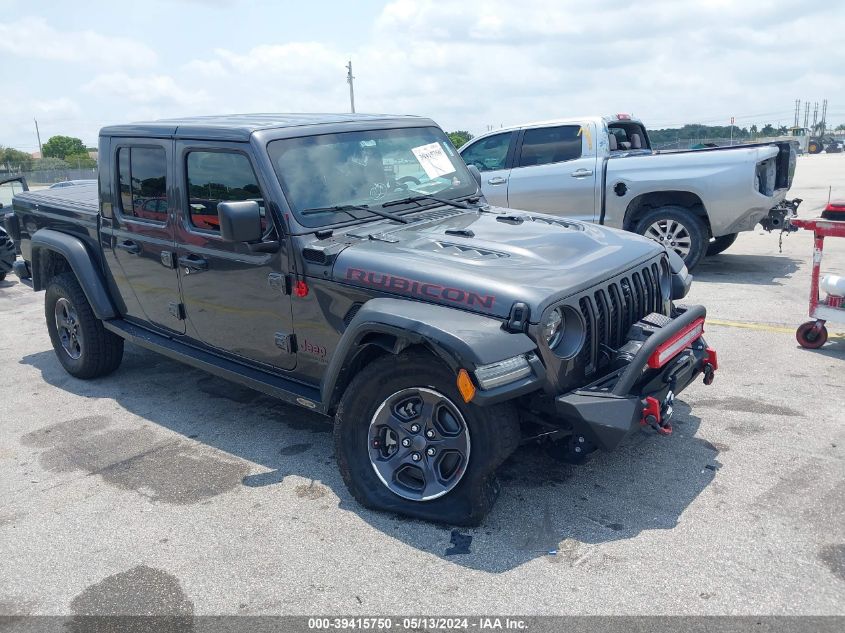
point(465, 386)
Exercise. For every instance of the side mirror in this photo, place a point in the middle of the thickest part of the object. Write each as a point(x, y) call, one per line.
point(475, 174)
point(240, 221)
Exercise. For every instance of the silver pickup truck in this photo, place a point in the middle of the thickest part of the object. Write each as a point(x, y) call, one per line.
point(603, 170)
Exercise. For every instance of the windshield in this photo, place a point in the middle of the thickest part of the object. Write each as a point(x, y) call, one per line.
point(366, 169)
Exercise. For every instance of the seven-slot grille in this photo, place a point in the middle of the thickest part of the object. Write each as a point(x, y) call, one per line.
point(611, 310)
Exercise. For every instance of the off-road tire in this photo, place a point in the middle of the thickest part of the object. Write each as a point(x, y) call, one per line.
point(101, 351)
point(721, 244)
point(814, 147)
point(494, 433)
point(693, 224)
point(7, 254)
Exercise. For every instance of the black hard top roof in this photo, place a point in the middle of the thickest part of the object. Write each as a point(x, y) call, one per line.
point(240, 126)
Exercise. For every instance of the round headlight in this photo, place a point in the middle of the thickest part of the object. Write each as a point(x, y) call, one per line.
point(552, 328)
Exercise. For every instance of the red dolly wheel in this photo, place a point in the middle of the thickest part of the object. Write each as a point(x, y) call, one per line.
point(810, 338)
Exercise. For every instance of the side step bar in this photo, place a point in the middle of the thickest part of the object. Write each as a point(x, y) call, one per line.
point(275, 386)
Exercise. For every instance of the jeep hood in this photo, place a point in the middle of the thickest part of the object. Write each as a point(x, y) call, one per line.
point(485, 261)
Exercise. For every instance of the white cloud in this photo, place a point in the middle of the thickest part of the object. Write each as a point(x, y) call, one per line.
point(34, 38)
point(148, 89)
point(476, 63)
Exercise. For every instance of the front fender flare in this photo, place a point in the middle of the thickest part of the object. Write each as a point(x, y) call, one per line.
point(81, 263)
point(460, 339)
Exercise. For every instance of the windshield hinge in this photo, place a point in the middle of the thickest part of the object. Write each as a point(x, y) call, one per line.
point(518, 318)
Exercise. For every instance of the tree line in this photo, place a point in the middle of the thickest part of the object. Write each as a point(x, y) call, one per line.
point(59, 152)
point(703, 132)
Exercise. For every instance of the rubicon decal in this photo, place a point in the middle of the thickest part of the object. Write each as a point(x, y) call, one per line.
point(392, 283)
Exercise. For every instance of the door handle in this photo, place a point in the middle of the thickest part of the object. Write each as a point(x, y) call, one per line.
point(129, 246)
point(192, 263)
point(581, 173)
point(498, 180)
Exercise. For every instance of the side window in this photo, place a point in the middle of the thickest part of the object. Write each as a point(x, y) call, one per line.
point(489, 153)
point(219, 177)
point(143, 183)
point(541, 146)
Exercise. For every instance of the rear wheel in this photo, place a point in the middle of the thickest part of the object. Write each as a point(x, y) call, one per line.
point(678, 229)
point(83, 346)
point(721, 244)
point(406, 441)
point(814, 147)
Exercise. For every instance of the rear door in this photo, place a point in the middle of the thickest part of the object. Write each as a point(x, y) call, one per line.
point(491, 155)
point(234, 296)
point(555, 172)
point(139, 231)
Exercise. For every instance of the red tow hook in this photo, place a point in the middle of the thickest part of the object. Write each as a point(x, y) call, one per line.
point(711, 364)
point(653, 418)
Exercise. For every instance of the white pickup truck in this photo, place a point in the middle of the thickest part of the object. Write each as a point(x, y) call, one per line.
point(603, 170)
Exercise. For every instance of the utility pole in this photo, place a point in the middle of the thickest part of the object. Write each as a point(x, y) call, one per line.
point(824, 117)
point(349, 79)
point(806, 114)
point(38, 135)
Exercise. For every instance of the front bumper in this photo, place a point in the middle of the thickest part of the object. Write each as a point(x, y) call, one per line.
point(606, 411)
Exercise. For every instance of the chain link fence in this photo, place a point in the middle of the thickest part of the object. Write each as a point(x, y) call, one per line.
point(47, 177)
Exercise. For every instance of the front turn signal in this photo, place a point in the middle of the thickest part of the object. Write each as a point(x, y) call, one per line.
point(465, 386)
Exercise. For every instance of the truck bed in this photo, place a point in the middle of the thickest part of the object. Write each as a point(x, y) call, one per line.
point(76, 199)
point(73, 210)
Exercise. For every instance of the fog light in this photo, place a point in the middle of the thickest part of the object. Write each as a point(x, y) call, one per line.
point(504, 372)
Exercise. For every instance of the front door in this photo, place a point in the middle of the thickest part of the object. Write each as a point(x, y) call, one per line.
point(555, 172)
point(490, 155)
point(233, 295)
point(141, 230)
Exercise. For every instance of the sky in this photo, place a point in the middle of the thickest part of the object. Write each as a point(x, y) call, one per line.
point(469, 64)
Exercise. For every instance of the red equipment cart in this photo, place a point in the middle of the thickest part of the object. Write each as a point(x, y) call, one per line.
point(813, 334)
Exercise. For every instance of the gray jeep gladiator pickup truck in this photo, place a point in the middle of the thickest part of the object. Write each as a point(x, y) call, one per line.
point(348, 264)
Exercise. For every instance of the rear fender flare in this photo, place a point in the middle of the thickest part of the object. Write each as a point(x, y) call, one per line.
point(460, 339)
point(81, 263)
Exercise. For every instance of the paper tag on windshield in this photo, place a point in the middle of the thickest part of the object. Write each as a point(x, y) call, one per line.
point(433, 160)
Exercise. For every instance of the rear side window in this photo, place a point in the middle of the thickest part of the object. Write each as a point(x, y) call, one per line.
point(215, 177)
point(489, 153)
point(541, 146)
point(143, 183)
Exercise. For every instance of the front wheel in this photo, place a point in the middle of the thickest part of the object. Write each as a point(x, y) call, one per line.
point(7, 254)
point(83, 346)
point(677, 229)
point(406, 441)
point(721, 244)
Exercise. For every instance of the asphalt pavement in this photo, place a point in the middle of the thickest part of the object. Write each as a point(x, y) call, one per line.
point(162, 489)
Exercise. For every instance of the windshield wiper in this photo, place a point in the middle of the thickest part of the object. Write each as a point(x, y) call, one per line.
point(347, 208)
point(424, 196)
